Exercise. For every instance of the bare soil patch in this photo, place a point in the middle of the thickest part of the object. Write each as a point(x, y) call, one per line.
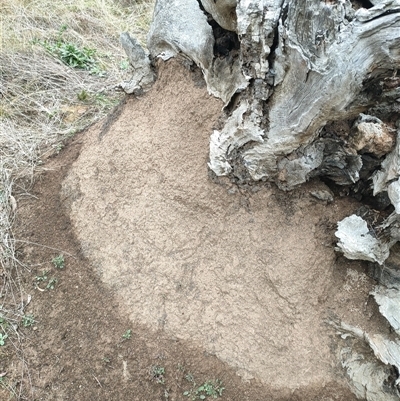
point(213, 279)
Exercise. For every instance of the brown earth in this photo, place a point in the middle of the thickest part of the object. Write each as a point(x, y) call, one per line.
point(214, 280)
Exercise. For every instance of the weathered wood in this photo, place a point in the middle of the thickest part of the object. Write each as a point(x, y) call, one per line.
point(143, 76)
point(325, 71)
point(223, 11)
point(300, 65)
point(180, 28)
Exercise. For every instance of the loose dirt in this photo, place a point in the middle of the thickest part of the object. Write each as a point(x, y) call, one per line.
point(215, 280)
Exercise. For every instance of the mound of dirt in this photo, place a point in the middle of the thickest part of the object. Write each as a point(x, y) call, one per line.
point(248, 274)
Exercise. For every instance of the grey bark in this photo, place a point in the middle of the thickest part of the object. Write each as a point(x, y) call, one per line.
point(325, 62)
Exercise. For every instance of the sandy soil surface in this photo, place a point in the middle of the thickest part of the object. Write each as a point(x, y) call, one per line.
point(243, 276)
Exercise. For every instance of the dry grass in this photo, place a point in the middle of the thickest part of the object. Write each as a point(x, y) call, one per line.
point(44, 101)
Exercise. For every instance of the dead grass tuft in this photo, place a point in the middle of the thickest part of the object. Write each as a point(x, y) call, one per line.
point(44, 101)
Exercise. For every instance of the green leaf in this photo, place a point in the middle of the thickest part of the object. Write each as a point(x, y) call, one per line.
point(3, 338)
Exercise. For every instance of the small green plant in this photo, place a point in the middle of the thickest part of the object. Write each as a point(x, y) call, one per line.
point(83, 95)
point(42, 277)
point(127, 335)
point(70, 54)
point(210, 388)
point(59, 261)
point(157, 374)
point(28, 320)
point(124, 65)
point(189, 377)
point(58, 147)
point(75, 57)
point(52, 283)
point(3, 338)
